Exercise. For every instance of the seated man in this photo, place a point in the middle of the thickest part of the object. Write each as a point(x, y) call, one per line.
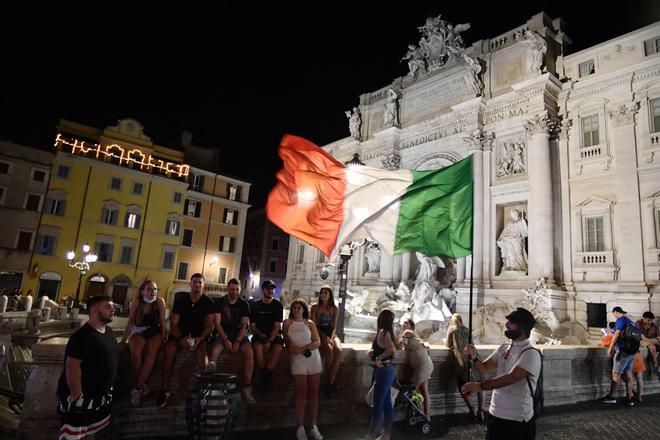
point(191, 322)
point(231, 320)
point(650, 337)
point(267, 316)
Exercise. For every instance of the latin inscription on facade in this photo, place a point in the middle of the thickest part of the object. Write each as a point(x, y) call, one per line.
point(502, 116)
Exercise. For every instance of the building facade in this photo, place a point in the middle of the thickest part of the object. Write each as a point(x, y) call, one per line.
point(563, 154)
point(265, 254)
point(24, 176)
point(214, 217)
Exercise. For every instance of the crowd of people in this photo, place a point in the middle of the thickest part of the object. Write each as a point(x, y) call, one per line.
point(208, 326)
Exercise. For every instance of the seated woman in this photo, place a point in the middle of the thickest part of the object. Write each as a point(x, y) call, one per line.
point(302, 342)
point(324, 315)
point(457, 337)
point(145, 332)
point(418, 358)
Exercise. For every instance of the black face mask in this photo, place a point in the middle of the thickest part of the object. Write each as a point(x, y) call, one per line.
point(513, 334)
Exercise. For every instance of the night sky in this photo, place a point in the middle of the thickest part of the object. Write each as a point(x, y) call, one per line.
point(238, 76)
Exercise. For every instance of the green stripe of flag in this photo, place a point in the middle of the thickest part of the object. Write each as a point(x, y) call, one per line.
point(435, 216)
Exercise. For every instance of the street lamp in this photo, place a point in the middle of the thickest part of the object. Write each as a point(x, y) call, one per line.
point(83, 266)
point(344, 257)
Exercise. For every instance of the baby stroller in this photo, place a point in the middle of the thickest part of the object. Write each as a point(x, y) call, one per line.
point(411, 400)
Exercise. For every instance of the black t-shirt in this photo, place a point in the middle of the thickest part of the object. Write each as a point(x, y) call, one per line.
point(231, 314)
point(98, 354)
point(192, 317)
point(265, 315)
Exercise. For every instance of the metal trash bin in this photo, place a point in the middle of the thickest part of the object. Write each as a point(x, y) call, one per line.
point(212, 406)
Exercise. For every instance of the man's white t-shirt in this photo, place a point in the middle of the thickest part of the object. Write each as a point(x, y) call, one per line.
point(515, 402)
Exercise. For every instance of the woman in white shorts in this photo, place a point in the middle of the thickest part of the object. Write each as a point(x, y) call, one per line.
point(302, 342)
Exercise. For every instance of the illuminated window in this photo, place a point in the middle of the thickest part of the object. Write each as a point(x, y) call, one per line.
point(231, 216)
point(233, 191)
point(196, 182)
point(192, 208)
point(226, 244)
point(132, 220)
point(172, 227)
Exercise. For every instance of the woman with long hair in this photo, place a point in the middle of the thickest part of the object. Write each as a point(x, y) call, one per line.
point(324, 315)
point(457, 337)
point(382, 351)
point(418, 358)
point(145, 332)
point(302, 342)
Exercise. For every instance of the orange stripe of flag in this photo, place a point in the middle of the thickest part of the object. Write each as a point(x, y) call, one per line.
point(307, 201)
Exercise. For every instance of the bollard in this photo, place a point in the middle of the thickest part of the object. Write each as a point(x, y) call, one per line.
point(32, 321)
point(3, 303)
point(28, 303)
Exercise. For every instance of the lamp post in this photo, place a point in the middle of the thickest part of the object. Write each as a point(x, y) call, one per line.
point(344, 257)
point(82, 266)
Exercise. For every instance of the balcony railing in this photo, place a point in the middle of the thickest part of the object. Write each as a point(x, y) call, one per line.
point(593, 259)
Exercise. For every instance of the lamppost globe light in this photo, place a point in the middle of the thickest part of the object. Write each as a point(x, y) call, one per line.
point(90, 258)
point(85, 248)
point(324, 273)
point(70, 255)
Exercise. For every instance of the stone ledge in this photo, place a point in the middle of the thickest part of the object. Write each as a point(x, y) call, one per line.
point(571, 374)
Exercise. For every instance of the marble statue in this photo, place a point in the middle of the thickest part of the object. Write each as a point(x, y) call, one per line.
point(536, 51)
point(518, 162)
point(372, 255)
point(354, 122)
point(415, 57)
point(511, 159)
point(512, 244)
point(391, 114)
point(472, 77)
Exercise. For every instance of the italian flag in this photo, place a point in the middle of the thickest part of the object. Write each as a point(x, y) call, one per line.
point(327, 204)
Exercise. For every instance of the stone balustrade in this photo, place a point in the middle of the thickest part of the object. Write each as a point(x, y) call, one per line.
point(571, 374)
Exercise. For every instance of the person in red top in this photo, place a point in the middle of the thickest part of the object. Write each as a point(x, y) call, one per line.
point(650, 337)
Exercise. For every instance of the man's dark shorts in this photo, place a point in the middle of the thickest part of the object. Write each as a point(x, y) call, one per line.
point(278, 340)
point(214, 339)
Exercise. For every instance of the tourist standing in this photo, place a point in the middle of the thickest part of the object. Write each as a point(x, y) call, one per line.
point(458, 336)
point(324, 314)
point(518, 365)
point(191, 323)
point(84, 391)
point(381, 353)
point(419, 359)
point(302, 341)
point(145, 332)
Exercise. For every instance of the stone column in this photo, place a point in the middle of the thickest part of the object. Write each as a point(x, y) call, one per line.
point(539, 204)
point(630, 253)
point(460, 270)
point(405, 266)
point(386, 267)
point(487, 145)
point(474, 144)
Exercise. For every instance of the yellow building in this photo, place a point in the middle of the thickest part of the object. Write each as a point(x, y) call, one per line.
point(214, 215)
point(117, 191)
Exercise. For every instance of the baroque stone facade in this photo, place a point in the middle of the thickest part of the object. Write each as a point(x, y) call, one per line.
point(571, 142)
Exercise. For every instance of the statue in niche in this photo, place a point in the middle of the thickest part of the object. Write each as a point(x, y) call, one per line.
point(354, 122)
point(372, 255)
point(391, 114)
point(536, 51)
point(518, 161)
point(416, 62)
point(472, 78)
point(512, 244)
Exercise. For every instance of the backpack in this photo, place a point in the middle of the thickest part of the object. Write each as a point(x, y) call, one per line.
point(537, 394)
point(630, 338)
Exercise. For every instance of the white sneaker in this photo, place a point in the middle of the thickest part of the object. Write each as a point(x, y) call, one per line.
point(136, 397)
point(246, 392)
point(300, 433)
point(210, 367)
point(315, 434)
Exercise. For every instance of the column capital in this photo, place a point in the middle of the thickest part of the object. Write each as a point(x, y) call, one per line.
point(624, 114)
point(391, 161)
point(480, 141)
point(543, 123)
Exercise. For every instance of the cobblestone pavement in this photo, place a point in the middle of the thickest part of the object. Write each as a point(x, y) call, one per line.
point(587, 420)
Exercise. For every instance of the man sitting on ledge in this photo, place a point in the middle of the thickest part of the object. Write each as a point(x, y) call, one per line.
point(191, 322)
point(267, 316)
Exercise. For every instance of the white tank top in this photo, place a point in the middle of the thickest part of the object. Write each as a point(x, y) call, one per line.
point(299, 333)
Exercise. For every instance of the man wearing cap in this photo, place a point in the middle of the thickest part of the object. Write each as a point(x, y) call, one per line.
point(650, 337)
point(622, 362)
point(512, 405)
point(266, 316)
